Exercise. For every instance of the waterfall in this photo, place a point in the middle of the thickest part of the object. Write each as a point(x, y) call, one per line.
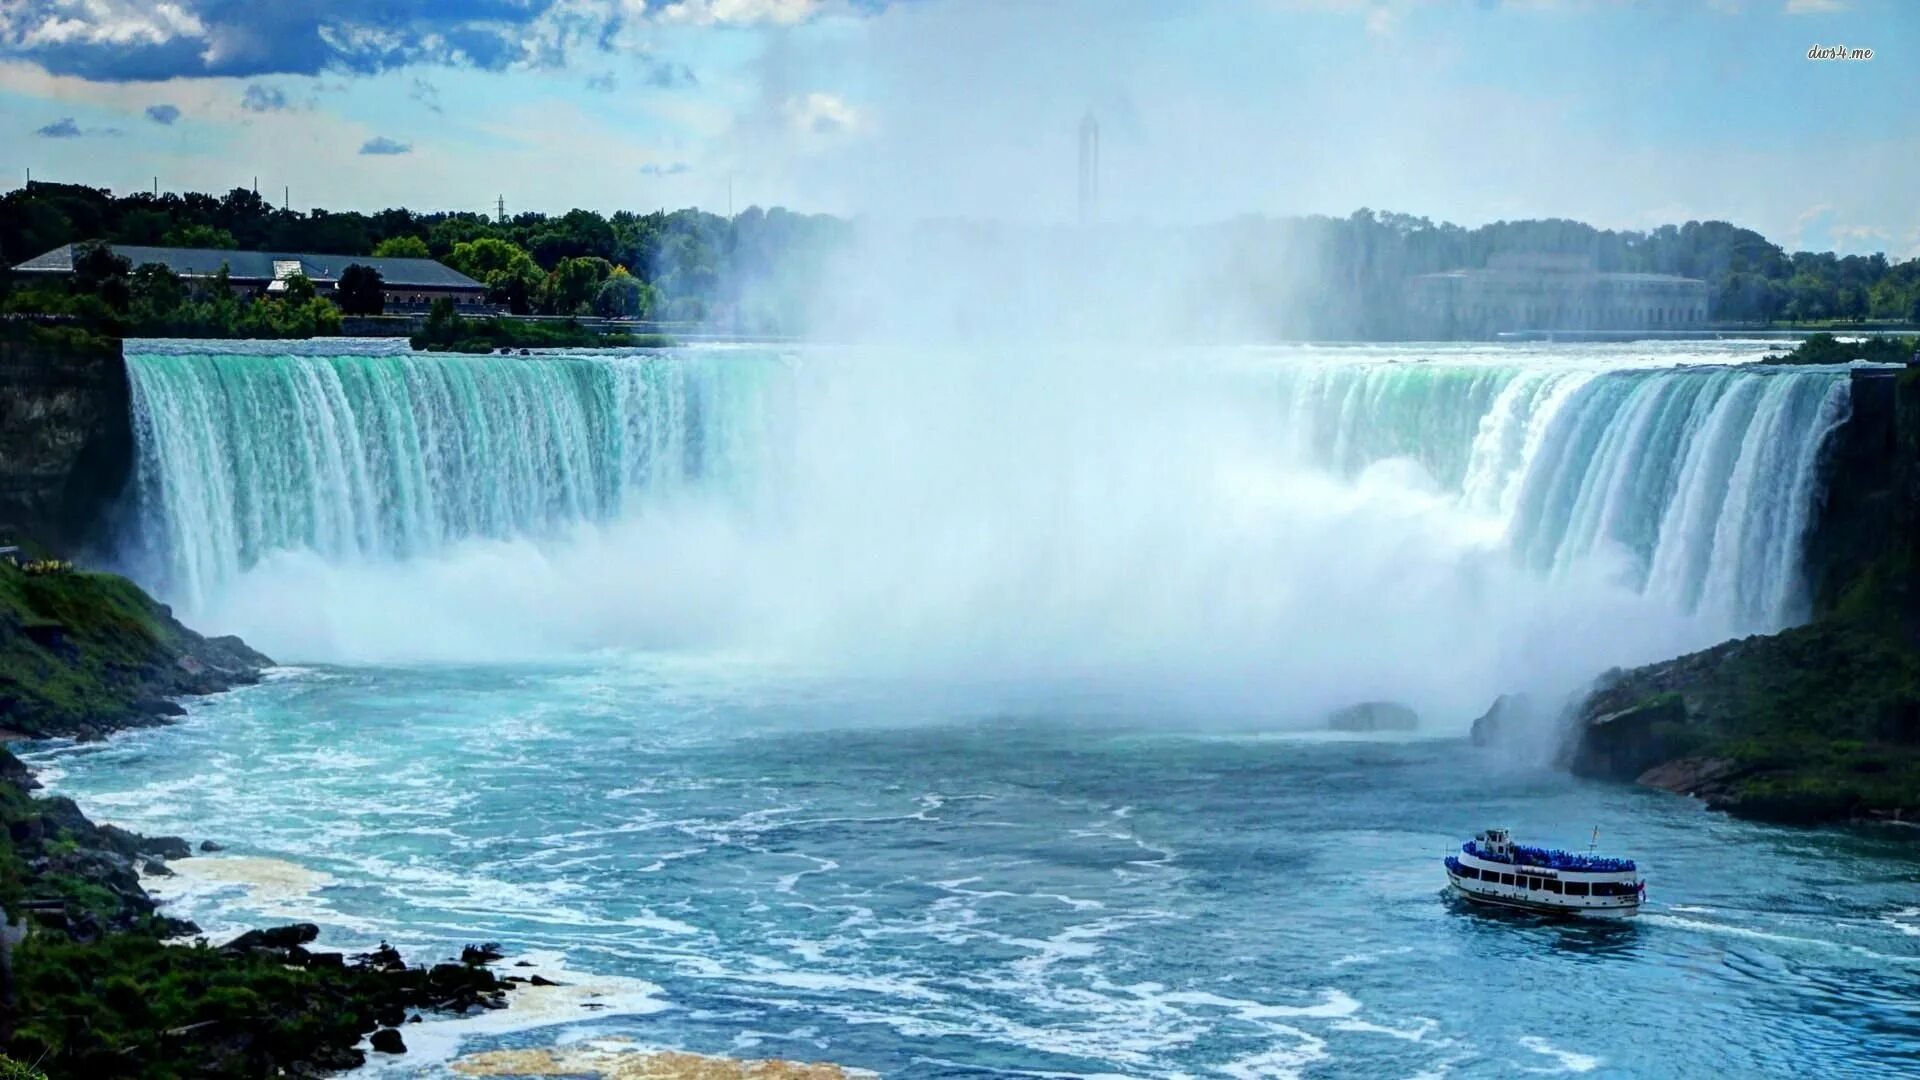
point(375, 453)
point(1701, 478)
point(1016, 508)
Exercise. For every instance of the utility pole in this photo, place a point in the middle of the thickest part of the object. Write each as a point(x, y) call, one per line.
point(156, 187)
point(286, 198)
point(500, 209)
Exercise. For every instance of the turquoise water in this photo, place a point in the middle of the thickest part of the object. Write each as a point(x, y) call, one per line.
point(902, 882)
point(951, 714)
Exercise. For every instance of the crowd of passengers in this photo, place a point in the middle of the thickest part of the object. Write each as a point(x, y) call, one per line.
point(1553, 859)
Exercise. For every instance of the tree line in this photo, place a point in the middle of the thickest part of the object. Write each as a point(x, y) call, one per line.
point(1361, 265)
point(685, 265)
point(753, 271)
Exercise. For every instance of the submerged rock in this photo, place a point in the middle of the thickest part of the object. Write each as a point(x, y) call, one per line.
point(1374, 716)
point(611, 1062)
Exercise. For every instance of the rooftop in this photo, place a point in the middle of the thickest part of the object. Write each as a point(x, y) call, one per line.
point(263, 265)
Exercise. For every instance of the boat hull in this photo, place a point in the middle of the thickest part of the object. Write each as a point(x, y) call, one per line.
point(1560, 911)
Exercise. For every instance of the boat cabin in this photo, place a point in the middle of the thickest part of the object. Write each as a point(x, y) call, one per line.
point(1495, 842)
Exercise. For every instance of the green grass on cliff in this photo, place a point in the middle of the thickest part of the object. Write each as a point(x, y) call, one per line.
point(73, 646)
point(1828, 349)
point(1825, 718)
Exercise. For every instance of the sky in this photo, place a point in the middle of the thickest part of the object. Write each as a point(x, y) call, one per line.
point(1623, 114)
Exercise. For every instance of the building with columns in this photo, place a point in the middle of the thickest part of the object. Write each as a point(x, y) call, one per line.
point(1535, 292)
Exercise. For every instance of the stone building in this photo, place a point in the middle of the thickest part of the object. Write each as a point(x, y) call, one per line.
point(410, 284)
point(1528, 292)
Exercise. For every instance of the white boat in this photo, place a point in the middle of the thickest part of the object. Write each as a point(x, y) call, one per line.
point(1491, 869)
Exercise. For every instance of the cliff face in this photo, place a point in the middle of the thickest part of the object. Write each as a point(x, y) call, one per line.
point(1868, 527)
point(66, 436)
point(83, 654)
point(1821, 722)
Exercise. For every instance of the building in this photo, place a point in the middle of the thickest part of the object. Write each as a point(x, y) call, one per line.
point(410, 284)
point(1531, 292)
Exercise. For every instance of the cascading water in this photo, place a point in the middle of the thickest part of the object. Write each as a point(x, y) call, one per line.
point(1335, 522)
point(1703, 477)
point(380, 454)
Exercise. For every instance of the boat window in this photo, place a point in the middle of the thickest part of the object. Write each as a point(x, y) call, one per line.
point(1533, 883)
point(1506, 879)
point(1576, 888)
point(1553, 885)
point(1468, 871)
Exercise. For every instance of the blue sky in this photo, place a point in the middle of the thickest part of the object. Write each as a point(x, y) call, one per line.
point(1623, 114)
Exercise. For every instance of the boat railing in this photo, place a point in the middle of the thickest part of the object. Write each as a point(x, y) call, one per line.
point(1554, 859)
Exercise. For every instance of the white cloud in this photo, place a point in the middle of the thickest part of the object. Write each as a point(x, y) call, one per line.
point(739, 12)
point(1815, 7)
point(101, 22)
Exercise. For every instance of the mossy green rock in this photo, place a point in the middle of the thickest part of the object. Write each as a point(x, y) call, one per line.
point(83, 654)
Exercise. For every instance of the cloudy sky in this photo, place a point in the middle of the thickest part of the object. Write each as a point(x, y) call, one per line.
point(1623, 114)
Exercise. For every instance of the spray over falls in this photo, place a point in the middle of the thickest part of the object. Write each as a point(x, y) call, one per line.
point(1305, 520)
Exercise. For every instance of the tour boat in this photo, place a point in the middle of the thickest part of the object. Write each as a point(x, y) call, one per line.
point(1491, 869)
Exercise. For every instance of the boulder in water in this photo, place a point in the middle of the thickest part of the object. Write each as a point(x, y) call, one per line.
point(387, 1041)
point(276, 937)
point(1374, 716)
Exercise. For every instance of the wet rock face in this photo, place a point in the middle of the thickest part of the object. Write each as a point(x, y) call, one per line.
point(66, 437)
point(1625, 743)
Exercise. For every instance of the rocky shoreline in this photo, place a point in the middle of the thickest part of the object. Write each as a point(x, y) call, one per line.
point(98, 985)
point(93, 983)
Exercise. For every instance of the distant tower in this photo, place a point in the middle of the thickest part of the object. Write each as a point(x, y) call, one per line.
point(1089, 167)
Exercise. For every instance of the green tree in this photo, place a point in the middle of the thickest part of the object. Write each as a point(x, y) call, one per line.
point(97, 271)
point(508, 272)
point(157, 295)
point(199, 236)
point(361, 291)
point(1811, 297)
point(402, 247)
point(298, 288)
point(623, 296)
point(573, 284)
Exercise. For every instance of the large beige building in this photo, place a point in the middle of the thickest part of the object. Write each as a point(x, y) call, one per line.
point(1550, 292)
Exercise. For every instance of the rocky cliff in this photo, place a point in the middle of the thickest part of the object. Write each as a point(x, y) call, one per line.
point(83, 654)
point(1821, 722)
point(66, 437)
